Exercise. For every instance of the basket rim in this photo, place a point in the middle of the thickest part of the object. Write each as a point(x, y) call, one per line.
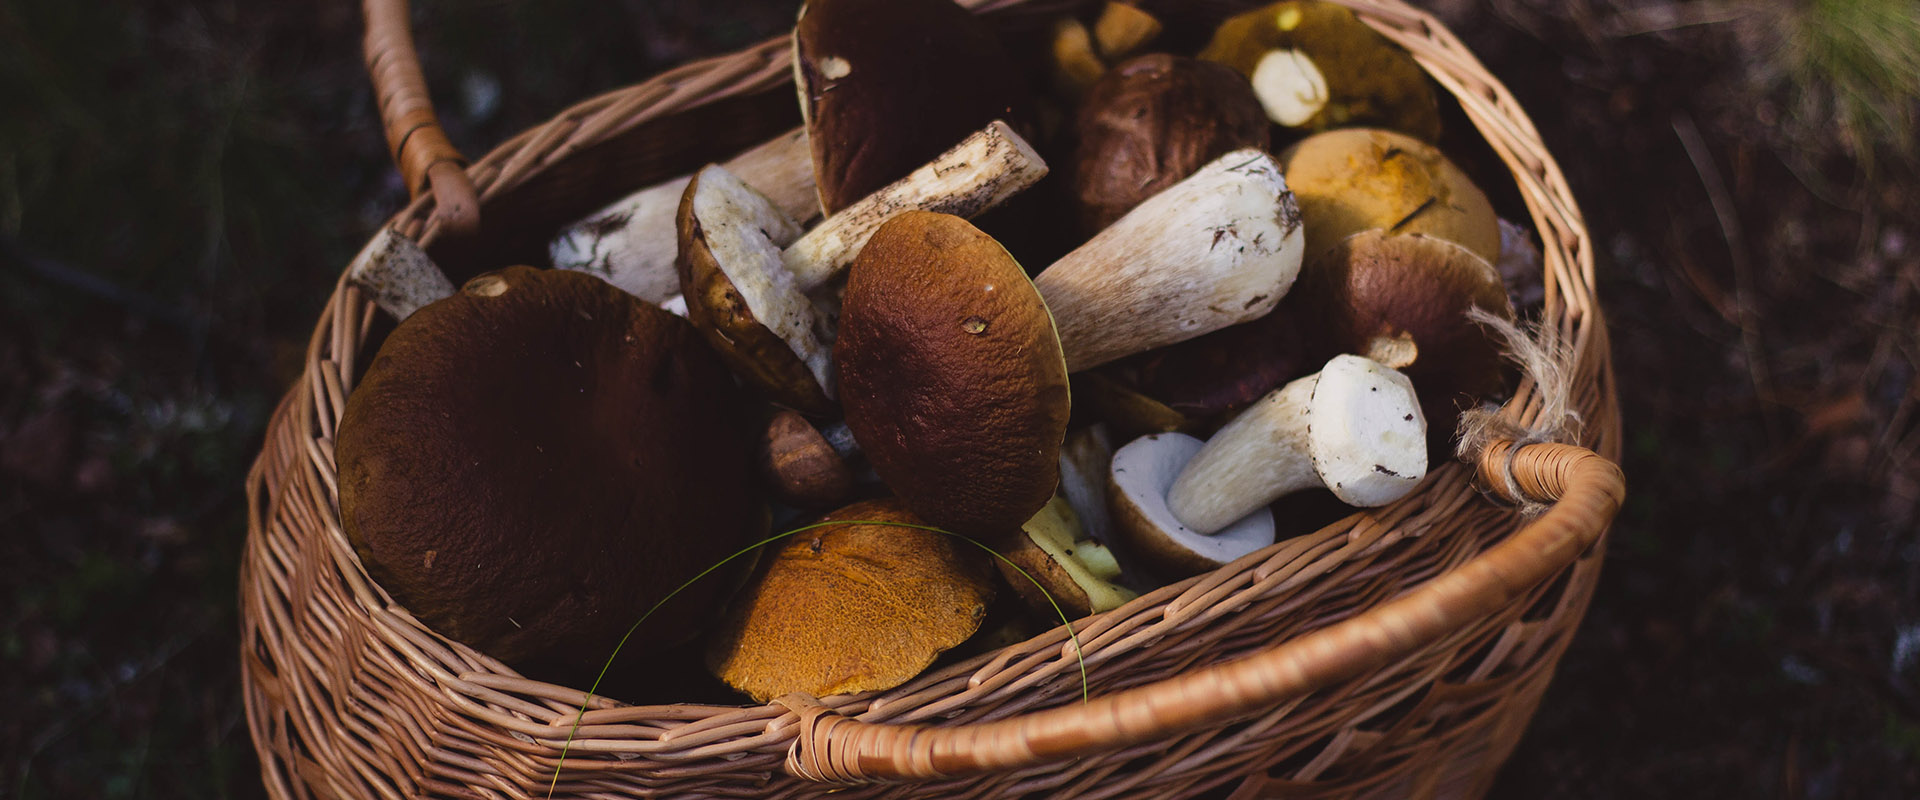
point(491, 693)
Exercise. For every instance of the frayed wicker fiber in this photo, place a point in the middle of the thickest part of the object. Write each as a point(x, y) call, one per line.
point(1399, 652)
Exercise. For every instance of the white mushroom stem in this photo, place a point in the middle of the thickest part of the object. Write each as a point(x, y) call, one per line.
point(631, 243)
point(1290, 87)
point(398, 274)
point(1214, 250)
point(1355, 428)
point(979, 173)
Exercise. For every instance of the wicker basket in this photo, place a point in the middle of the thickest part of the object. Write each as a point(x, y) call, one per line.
point(1399, 652)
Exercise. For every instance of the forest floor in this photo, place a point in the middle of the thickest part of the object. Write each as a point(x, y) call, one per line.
point(188, 177)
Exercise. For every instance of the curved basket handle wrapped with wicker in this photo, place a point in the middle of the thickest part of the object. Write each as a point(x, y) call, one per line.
point(1398, 652)
point(427, 161)
point(1585, 489)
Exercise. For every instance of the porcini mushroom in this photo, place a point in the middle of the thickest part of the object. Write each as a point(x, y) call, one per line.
point(1357, 179)
point(746, 269)
point(802, 464)
point(885, 85)
point(1315, 66)
point(1141, 473)
point(1354, 427)
point(852, 607)
point(532, 463)
point(951, 375)
point(1402, 301)
point(1149, 123)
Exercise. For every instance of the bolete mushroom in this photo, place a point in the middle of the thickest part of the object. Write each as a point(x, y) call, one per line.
point(803, 465)
point(1149, 123)
point(1355, 179)
point(885, 85)
point(852, 607)
point(1402, 301)
point(1054, 562)
point(1138, 481)
point(951, 375)
point(746, 269)
point(531, 464)
point(1315, 66)
point(1354, 427)
point(953, 369)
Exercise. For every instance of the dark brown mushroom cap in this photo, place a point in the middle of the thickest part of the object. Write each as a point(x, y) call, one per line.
point(1356, 179)
point(951, 375)
point(886, 85)
point(852, 608)
point(718, 308)
point(1149, 123)
point(1369, 79)
point(532, 463)
point(1375, 286)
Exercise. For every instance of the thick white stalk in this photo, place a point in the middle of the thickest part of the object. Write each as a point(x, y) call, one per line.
point(1258, 457)
point(1214, 250)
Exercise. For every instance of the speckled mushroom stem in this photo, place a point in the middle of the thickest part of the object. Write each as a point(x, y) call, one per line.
point(980, 172)
point(398, 274)
point(1216, 249)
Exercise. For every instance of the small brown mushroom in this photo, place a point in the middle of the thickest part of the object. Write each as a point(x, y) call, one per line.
point(1149, 123)
point(802, 465)
point(534, 462)
point(852, 607)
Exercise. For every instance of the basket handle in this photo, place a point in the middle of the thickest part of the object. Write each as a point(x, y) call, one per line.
point(427, 161)
point(1585, 488)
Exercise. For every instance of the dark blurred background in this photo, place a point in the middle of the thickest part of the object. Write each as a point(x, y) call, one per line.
point(181, 182)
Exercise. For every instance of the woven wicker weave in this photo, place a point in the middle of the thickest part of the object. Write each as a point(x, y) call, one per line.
point(1399, 652)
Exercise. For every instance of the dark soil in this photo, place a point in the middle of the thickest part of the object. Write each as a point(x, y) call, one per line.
point(180, 183)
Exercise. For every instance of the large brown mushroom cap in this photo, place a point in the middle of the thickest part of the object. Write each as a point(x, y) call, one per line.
point(1372, 289)
point(951, 375)
point(1149, 123)
point(1356, 179)
point(852, 608)
point(886, 85)
point(530, 464)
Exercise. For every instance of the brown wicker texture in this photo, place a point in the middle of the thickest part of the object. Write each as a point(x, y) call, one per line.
point(1399, 652)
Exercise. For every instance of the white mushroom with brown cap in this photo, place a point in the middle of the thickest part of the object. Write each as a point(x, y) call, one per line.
point(746, 269)
point(1355, 428)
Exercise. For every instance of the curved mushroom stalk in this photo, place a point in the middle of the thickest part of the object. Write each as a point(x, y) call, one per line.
point(1355, 427)
point(1216, 249)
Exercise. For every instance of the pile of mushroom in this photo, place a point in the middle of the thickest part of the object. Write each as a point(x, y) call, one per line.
point(534, 459)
